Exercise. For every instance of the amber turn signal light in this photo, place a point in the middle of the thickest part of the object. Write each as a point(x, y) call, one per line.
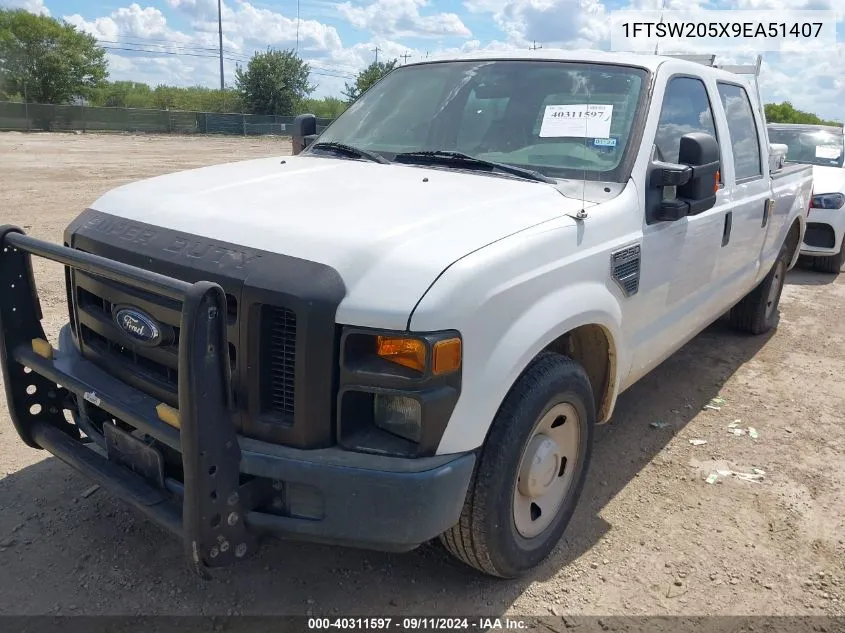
point(446, 356)
point(408, 352)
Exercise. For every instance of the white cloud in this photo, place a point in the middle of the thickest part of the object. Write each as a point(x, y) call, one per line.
point(200, 9)
point(811, 82)
point(566, 23)
point(33, 6)
point(811, 79)
point(131, 21)
point(248, 24)
point(401, 18)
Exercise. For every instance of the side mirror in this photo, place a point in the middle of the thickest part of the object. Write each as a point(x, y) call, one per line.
point(694, 179)
point(304, 132)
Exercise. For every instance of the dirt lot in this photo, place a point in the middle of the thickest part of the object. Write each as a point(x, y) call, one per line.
point(651, 536)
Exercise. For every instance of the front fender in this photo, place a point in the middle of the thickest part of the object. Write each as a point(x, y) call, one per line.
point(500, 343)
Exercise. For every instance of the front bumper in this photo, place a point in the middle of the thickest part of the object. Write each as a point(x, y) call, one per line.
point(825, 229)
point(233, 488)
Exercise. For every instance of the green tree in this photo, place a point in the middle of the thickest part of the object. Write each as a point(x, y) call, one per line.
point(48, 61)
point(786, 113)
point(274, 82)
point(366, 78)
point(326, 108)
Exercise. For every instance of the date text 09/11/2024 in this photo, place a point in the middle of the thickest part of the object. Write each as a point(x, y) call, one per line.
point(413, 624)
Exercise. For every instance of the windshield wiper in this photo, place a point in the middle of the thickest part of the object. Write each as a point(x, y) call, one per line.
point(356, 152)
point(467, 160)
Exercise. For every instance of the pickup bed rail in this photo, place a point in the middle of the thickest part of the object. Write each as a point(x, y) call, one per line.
point(211, 517)
point(789, 169)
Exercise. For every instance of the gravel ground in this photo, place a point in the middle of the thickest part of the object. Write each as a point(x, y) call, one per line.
point(650, 536)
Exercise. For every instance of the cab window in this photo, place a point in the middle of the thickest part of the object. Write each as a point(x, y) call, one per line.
point(745, 144)
point(686, 108)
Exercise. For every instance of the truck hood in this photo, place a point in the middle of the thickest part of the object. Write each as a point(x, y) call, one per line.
point(828, 179)
point(388, 230)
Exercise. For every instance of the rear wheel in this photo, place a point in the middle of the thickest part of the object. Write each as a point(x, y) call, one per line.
point(757, 312)
point(832, 264)
point(530, 472)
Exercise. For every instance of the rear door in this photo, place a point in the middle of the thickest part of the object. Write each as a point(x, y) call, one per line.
point(747, 185)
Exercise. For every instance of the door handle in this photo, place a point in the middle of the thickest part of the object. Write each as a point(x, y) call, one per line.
point(768, 207)
point(726, 232)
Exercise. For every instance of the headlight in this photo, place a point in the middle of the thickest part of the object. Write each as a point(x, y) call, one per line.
point(397, 390)
point(399, 415)
point(828, 201)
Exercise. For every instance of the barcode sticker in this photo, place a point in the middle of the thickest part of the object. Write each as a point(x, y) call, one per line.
point(578, 120)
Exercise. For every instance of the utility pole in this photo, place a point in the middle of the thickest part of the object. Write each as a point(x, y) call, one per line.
point(297, 26)
point(534, 47)
point(220, 35)
point(376, 50)
point(426, 54)
point(405, 58)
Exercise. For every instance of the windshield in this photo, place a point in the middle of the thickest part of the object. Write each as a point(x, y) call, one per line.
point(810, 146)
point(565, 120)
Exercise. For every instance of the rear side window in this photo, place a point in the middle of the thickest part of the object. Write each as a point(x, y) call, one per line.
point(742, 128)
point(686, 108)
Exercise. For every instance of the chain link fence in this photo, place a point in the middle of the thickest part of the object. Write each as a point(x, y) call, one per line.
point(68, 118)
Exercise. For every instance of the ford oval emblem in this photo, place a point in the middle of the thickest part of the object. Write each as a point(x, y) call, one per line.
point(138, 326)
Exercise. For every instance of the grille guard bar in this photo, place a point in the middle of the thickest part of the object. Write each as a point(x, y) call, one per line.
point(213, 506)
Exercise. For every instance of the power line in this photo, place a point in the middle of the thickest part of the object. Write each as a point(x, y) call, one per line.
point(180, 45)
point(141, 50)
point(178, 48)
point(326, 71)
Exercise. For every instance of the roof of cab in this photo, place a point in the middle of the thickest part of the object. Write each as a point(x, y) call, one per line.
point(642, 60)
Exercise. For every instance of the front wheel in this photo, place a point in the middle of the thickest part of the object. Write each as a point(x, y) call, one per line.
point(530, 472)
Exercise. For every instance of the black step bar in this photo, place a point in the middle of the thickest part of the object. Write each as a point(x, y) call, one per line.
point(211, 521)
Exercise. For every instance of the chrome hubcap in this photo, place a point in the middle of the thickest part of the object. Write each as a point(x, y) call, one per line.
point(546, 470)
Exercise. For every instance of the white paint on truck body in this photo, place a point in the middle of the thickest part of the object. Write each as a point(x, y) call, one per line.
point(501, 260)
point(386, 230)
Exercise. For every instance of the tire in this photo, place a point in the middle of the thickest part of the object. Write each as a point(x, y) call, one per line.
point(757, 312)
point(831, 264)
point(487, 536)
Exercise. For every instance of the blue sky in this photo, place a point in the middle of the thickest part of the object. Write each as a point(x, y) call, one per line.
point(174, 41)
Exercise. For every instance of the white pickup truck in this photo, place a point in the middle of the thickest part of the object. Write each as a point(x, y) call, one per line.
point(410, 329)
point(823, 147)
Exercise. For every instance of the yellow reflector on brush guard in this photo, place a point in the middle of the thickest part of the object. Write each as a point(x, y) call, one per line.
point(447, 356)
point(168, 415)
point(408, 352)
point(42, 348)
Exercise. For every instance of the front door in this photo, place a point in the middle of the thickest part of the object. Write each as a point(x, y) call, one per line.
point(679, 280)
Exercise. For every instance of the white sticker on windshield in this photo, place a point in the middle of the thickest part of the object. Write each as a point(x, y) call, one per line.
point(580, 120)
point(825, 151)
